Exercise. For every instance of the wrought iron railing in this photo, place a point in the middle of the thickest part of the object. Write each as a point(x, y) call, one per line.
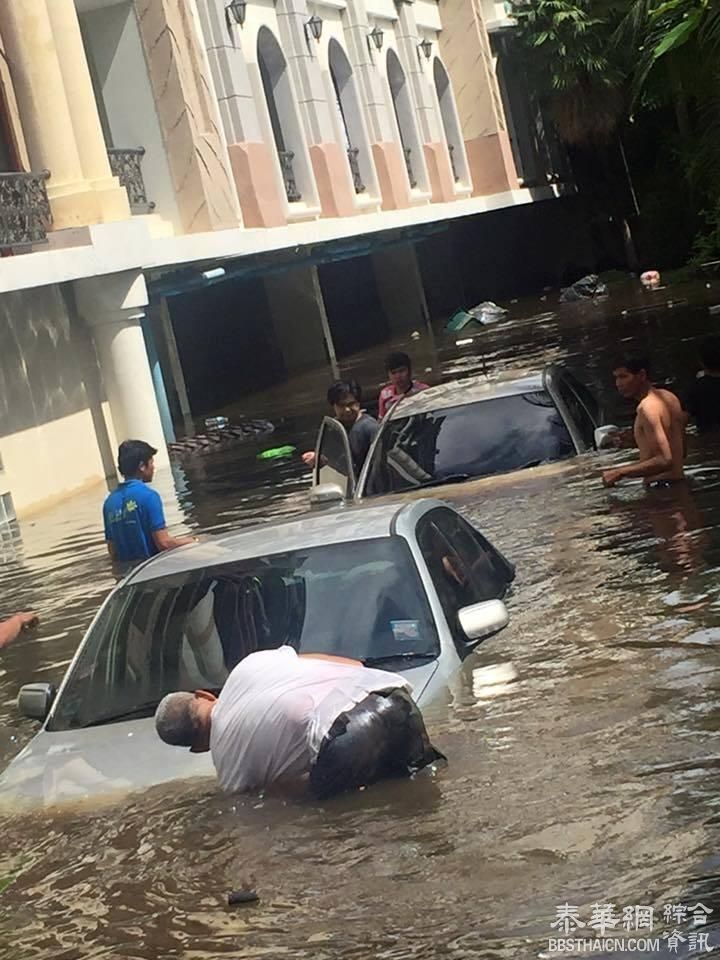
point(291, 190)
point(408, 164)
point(352, 155)
point(451, 151)
point(25, 215)
point(126, 165)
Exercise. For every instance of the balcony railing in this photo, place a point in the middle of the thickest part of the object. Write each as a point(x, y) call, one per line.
point(451, 151)
point(408, 163)
point(352, 155)
point(286, 161)
point(25, 215)
point(126, 165)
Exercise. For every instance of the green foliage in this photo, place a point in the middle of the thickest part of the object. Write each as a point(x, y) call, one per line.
point(707, 242)
point(599, 64)
point(569, 54)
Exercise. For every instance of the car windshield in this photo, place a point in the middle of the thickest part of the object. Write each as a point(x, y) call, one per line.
point(363, 600)
point(472, 440)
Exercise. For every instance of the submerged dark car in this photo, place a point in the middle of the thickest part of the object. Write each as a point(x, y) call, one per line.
point(465, 430)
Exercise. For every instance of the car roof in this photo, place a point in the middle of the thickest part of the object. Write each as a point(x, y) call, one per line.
point(312, 529)
point(456, 393)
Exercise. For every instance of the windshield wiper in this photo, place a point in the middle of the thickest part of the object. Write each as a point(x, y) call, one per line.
point(142, 710)
point(387, 658)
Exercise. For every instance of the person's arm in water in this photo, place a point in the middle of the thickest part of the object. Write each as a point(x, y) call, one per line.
point(661, 459)
point(11, 628)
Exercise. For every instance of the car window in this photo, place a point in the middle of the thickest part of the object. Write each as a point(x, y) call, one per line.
point(578, 412)
point(487, 571)
point(362, 600)
point(463, 567)
point(473, 440)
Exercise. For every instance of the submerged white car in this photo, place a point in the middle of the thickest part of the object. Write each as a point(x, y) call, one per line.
point(412, 588)
point(463, 430)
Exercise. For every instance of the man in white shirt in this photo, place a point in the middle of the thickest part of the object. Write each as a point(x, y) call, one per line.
point(327, 722)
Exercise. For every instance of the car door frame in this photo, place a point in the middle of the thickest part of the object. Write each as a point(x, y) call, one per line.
point(330, 423)
point(461, 648)
point(552, 377)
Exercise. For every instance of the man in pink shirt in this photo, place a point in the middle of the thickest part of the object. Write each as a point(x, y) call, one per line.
point(399, 369)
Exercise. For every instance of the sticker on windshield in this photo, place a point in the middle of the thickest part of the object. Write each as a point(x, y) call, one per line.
point(405, 631)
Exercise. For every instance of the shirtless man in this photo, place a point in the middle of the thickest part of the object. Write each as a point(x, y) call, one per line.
point(659, 429)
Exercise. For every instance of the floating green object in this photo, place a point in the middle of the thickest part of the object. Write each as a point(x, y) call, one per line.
point(459, 319)
point(276, 452)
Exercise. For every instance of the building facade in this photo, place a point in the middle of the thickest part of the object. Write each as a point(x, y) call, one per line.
point(166, 161)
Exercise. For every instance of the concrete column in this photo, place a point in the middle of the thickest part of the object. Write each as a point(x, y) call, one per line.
point(42, 101)
point(158, 381)
point(113, 198)
point(251, 159)
point(300, 320)
point(113, 306)
point(176, 370)
point(400, 287)
point(408, 38)
point(465, 50)
point(328, 157)
point(188, 115)
point(419, 72)
point(357, 26)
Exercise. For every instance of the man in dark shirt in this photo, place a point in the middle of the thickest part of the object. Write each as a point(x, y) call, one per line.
point(344, 397)
point(133, 515)
point(704, 395)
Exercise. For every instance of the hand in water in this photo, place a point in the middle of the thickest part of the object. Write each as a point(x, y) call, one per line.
point(11, 628)
point(309, 458)
point(28, 621)
point(611, 477)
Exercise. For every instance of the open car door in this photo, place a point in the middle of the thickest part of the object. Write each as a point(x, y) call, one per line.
point(333, 462)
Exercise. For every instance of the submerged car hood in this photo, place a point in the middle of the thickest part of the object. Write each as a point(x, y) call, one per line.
point(61, 766)
point(116, 758)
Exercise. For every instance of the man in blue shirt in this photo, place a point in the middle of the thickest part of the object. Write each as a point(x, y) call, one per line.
point(135, 526)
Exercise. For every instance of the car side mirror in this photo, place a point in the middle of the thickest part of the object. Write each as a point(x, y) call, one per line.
point(326, 495)
point(482, 620)
point(35, 699)
point(602, 437)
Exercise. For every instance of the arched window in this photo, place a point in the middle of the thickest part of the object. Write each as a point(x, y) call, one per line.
point(450, 123)
point(403, 106)
point(281, 108)
point(349, 115)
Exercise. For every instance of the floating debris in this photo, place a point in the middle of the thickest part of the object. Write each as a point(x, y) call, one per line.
point(275, 453)
point(242, 896)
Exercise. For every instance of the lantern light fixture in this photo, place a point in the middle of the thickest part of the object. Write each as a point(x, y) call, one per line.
point(314, 26)
point(376, 37)
point(425, 47)
point(237, 10)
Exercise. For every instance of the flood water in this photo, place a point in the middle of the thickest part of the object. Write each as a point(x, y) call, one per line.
point(592, 777)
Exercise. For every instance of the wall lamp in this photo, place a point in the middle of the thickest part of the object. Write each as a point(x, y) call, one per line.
point(236, 9)
point(376, 37)
point(425, 46)
point(314, 26)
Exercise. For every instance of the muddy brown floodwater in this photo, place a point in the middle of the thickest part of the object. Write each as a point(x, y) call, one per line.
point(593, 777)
